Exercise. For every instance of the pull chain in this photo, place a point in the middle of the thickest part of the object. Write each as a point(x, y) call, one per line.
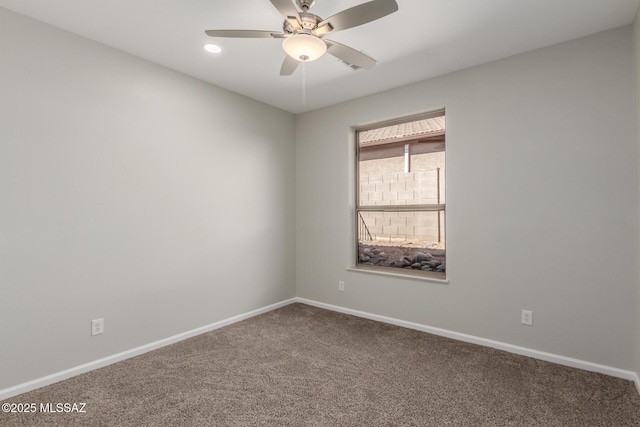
point(304, 83)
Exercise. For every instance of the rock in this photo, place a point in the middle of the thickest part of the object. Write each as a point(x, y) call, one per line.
point(375, 251)
point(364, 258)
point(434, 264)
point(440, 267)
point(367, 252)
point(382, 255)
point(402, 263)
point(426, 268)
point(416, 265)
point(422, 256)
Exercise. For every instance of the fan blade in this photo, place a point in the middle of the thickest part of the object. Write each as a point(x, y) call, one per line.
point(245, 34)
point(289, 11)
point(350, 55)
point(288, 66)
point(357, 15)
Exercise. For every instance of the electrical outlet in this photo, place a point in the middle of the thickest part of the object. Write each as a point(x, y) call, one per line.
point(341, 285)
point(97, 326)
point(527, 317)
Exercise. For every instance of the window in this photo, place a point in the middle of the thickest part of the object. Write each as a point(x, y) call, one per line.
point(400, 206)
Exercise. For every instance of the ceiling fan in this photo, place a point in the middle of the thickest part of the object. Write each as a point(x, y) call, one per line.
point(303, 32)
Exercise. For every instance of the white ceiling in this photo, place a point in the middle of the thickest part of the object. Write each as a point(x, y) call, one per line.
point(425, 38)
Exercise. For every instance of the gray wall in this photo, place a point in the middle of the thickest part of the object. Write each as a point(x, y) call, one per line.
point(636, 51)
point(541, 202)
point(107, 202)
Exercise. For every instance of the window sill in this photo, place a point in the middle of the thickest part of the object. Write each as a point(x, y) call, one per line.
point(404, 275)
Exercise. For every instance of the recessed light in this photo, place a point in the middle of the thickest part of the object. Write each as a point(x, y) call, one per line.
point(212, 48)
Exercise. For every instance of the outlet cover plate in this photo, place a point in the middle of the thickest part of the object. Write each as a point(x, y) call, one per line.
point(97, 326)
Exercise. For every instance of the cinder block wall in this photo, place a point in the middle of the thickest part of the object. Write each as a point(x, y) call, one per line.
point(383, 182)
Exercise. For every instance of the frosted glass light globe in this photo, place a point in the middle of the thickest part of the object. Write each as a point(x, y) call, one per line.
point(304, 47)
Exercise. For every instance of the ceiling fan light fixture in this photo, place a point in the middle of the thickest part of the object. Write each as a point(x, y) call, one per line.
point(304, 47)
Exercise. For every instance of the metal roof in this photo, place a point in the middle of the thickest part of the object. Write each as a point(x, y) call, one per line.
point(434, 126)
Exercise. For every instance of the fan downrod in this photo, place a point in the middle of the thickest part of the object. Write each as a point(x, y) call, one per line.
point(305, 4)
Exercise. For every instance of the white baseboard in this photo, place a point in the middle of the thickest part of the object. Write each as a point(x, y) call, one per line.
point(549, 357)
point(109, 360)
point(541, 355)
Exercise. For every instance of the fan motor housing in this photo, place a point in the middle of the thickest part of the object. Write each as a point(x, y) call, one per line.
point(309, 23)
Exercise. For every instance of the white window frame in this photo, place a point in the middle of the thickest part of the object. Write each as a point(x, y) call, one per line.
point(432, 276)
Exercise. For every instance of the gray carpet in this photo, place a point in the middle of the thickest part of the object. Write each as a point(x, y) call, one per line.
point(304, 366)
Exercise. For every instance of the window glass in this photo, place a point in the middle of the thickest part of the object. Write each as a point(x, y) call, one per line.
point(400, 209)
